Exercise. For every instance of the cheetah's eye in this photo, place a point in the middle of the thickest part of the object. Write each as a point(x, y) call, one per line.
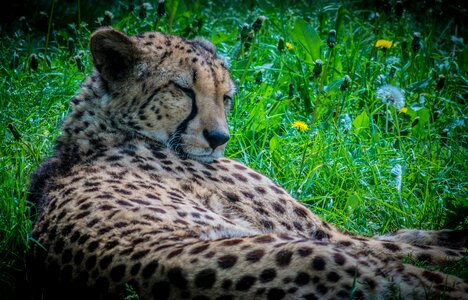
point(188, 91)
point(227, 102)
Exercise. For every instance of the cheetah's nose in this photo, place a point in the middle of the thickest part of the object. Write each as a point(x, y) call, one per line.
point(215, 138)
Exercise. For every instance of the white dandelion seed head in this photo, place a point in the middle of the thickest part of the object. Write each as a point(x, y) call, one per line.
point(397, 172)
point(381, 79)
point(345, 121)
point(392, 60)
point(391, 95)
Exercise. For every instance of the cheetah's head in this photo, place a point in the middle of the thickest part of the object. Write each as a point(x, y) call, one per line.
point(165, 88)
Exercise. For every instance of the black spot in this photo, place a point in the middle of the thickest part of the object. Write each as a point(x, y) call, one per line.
point(275, 294)
point(83, 239)
point(352, 271)
point(175, 253)
point(111, 244)
point(260, 190)
point(231, 197)
point(358, 294)
point(344, 244)
point(105, 261)
point(268, 225)
point(67, 230)
point(278, 208)
point(161, 290)
point(75, 236)
point(301, 212)
point(267, 275)
point(245, 283)
point(177, 278)
point(424, 257)
point(66, 256)
point(322, 289)
point(134, 270)
point(93, 246)
point(78, 257)
point(283, 258)
point(199, 249)
point(298, 226)
point(117, 272)
point(239, 177)
point(138, 255)
point(59, 246)
point(92, 222)
point(82, 215)
point(255, 176)
point(433, 277)
point(231, 242)
point(260, 291)
point(264, 239)
point(392, 247)
point(371, 283)
point(205, 279)
point(149, 269)
point(320, 235)
point(318, 263)
point(339, 259)
point(343, 294)
point(302, 278)
point(310, 297)
point(226, 285)
point(227, 261)
point(333, 276)
point(255, 255)
point(304, 252)
point(90, 262)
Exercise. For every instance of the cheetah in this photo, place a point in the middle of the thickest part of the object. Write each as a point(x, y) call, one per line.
point(138, 195)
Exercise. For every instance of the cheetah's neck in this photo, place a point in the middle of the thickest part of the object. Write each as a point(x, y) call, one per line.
point(90, 129)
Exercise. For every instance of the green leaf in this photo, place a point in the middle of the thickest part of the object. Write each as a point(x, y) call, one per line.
point(306, 36)
point(353, 201)
point(275, 144)
point(361, 122)
point(420, 122)
point(339, 21)
point(221, 37)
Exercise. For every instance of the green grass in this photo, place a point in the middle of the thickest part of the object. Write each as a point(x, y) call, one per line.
point(344, 167)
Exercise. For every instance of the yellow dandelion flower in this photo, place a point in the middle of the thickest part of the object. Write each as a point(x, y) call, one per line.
point(404, 110)
point(384, 44)
point(299, 125)
point(289, 46)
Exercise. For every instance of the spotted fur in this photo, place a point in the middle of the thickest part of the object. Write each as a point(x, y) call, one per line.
point(137, 194)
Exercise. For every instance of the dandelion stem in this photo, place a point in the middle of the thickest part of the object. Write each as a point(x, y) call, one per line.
point(386, 117)
point(324, 74)
point(49, 27)
point(341, 103)
point(79, 12)
point(397, 123)
point(303, 158)
point(249, 62)
point(171, 14)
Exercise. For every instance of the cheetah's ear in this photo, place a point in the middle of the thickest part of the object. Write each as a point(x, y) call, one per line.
point(113, 53)
point(205, 44)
